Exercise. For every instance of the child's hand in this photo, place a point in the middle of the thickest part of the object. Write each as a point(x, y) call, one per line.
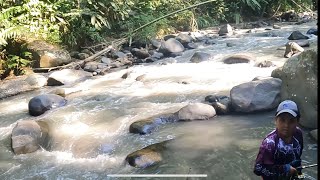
point(293, 171)
point(289, 170)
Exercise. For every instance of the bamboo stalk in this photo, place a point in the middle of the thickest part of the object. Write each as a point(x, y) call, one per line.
point(162, 17)
point(301, 6)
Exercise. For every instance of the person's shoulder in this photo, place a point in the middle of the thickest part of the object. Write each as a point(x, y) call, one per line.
point(270, 139)
point(298, 131)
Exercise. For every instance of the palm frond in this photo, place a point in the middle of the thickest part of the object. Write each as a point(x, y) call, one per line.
point(11, 33)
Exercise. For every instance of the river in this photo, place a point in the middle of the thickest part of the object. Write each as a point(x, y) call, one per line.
point(90, 136)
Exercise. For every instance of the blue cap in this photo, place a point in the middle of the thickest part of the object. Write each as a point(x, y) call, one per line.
point(288, 106)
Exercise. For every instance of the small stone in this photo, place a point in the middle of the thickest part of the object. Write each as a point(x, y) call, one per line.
point(276, 26)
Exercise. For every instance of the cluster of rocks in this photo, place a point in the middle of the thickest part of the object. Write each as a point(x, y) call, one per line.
point(297, 41)
point(299, 18)
point(35, 81)
point(298, 75)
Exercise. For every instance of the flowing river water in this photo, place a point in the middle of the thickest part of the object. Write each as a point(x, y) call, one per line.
point(90, 136)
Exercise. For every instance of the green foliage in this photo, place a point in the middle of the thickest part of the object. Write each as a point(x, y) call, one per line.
point(285, 5)
point(15, 62)
point(149, 32)
point(253, 4)
point(78, 32)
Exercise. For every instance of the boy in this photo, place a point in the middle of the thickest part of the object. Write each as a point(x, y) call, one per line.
point(280, 152)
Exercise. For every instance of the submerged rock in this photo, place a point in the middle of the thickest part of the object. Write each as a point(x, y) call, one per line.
point(239, 58)
point(149, 125)
point(148, 156)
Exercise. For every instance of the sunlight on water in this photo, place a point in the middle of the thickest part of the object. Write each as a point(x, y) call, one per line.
point(13, 106)
point(182, 78)
point(76, 128)
point(5, 131)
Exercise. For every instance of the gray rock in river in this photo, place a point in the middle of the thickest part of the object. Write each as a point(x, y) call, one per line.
point(196, 111)
point(222, 104)
point(239, 58)
point(151, 124)
point(148, 156)
point(259, 95)
point(42, 103)
point(28, 135)
point(67, 77)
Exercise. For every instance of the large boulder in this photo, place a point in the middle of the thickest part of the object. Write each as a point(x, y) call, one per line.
point(171, 46)
point(67, 77)
point(196, 111)
point(300, 84)
point(259, 95)
point(42, 103)
point(28, 136)
point(46, 55)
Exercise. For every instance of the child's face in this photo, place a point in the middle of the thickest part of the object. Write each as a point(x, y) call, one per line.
point(286, 124)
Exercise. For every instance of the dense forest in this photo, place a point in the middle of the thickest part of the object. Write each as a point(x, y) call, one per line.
point(73, 24)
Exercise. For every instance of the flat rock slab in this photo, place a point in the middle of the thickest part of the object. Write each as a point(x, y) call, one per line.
point(67, 77)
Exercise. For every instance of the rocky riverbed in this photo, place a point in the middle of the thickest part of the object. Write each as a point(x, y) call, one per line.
point(203, 106)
